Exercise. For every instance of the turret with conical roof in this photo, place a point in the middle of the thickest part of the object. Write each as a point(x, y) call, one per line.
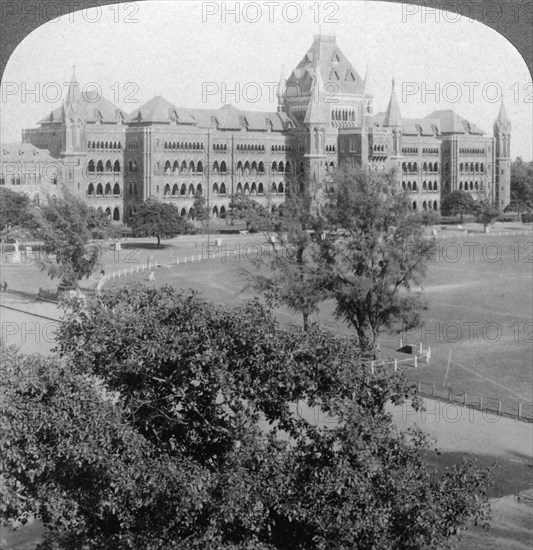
point(74, 118)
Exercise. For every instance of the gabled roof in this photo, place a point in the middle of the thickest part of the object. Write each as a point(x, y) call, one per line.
point(89, 105)
point(420, 126)
point(156, 110)
point(452, 123)
point(333, 65)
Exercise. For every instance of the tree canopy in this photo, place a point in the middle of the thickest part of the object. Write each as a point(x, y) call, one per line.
point(158, 219)
point(254, 214)
point(65, 227)
point(166, 422)
point(16, 210)
point(458, 203)
point(521, 185)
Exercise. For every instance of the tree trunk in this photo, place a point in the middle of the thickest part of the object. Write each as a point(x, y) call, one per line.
point(368, 343)
point(306, 321)
point(158, 241)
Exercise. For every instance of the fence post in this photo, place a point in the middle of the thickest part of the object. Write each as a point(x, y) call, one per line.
point(428, 355)
point(416, 361)
point(395, 365)
point(420, 348)
point(419, 386)
point(401, 343)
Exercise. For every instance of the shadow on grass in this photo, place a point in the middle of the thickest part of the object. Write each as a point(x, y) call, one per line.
point(144, 246)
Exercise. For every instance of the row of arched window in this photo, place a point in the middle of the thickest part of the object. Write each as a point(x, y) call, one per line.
point(472, 186)
point(380, 147)
point(343, 114)
point(430, 151)
point(410, 150)
point(183, 146)
point(101, 167)
point(412, 167)
point(471, 167)
point(472, 150)
point(184, 167)
point(104, 145)
point(25, 179)
point(250, 147)
point(331, 148)
point(426, 186)
point(218, 189)
point(281, 148)
point(220, 146)
point(100, 190)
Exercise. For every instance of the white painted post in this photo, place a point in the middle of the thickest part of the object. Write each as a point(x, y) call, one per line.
point(416, 361)
point(372, 367)
point(395, 365)
point(401, 343)
point(421, 347)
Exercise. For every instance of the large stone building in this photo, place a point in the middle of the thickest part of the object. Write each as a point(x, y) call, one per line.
point(324, 119)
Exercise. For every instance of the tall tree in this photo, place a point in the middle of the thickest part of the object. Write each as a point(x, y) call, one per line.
point(288, 275)
point(254, 214)
point(64, 226)
point(521, 185)
point(372, 255)
point(458, 203)
point(200, 211)
point(158, 219)
point(16, 210)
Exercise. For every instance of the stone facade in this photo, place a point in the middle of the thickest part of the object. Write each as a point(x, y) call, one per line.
point(324, 119)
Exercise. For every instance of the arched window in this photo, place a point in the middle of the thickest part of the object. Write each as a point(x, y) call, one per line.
point(246, 189)
point(414, 186)
point(274, 167)
point(435, 205)
point(215, 188)
point(404, 167)
point(183, 190)
point(482, 168)
point(90, 189)
point(200, 167)
point(190, 215)
point(90, 166)
point(280, 167)
point(435, 186)
point(260, 189)
point(253, 189)
point(199, 189)
point(274, 189)
point(116, 166)
point(460, 186)
point(404, 185)
point(116, 214)
point(183, 167)
point(424, 206)
point(116, 189)
point(192, 168)
point(215, 167)
point(261, 168)
point(108, 189)
point(246, 169)
point(99, 189)
point(222, 212)
point(100, 167)
point(239, 188)
point(222, 188)
point(168, 168)
point(108, 212)
point(183, 213)
point(436, 167)
point(223, 167)
point(253, 169)
point(424, 186)
point(288, 167)
point(409, 185)
point(97, 145)
point(414, 205)
point(108, 166)
point(191, 190)
point(239, 168)
point(281, 190)
point(166, 191)
point(471, 186)
point(176, 167)
point(215, 212)
point(175, 190)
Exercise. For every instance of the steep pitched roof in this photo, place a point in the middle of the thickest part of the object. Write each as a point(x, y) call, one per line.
point(157, 109)
point(24, 152)
point(333, 65)
point(452, 123)
point(89, 105)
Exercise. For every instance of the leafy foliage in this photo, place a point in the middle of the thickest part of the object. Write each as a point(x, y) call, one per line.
point(458, 203)
point(65, 227)
point(164, 426)
point(200, 211)
point(158, 219)
point(16, 209)
point(521, 185)
point(242, 207)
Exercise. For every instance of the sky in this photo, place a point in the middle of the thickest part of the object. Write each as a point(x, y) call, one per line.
point(196, 53)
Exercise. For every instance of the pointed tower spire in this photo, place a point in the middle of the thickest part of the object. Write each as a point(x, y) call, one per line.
point(502, 114)
point(74, 93)
point(366, 78)
point(393, 116)
point(314, 113)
